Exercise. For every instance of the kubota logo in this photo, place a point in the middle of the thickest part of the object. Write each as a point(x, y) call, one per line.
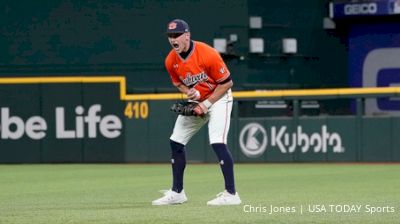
point(254, 140)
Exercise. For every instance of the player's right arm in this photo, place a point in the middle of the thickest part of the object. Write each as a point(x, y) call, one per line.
point(191, 93)
point(182, 88)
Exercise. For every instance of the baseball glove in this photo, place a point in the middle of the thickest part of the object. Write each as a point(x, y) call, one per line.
point(184, 108)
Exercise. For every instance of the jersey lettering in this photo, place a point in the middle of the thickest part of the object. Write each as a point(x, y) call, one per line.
point(192, 80)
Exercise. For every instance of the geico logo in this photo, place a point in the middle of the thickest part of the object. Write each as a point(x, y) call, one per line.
point(356, 9)
point(109, 125)
point(14, 127)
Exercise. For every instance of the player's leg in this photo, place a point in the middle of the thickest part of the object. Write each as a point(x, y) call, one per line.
point(184, 129)
point(226, 163)
point(178, 163)
point(218, 130)
point(220, 115)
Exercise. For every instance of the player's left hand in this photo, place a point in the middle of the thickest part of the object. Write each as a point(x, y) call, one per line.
point(202, 108)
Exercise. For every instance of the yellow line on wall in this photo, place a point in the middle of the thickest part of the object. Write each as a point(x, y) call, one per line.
point(64, 79)
point(121, 80)
point(160, 96)
point(277, 93)
point(317, 92)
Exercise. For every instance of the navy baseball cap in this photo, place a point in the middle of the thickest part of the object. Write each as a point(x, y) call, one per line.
point(177, 26)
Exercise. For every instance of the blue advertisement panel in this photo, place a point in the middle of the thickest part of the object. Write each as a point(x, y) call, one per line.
point(374, 52)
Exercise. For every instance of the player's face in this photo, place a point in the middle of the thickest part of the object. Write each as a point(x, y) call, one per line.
point(179, 41)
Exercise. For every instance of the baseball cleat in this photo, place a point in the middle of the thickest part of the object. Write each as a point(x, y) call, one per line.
point(225, 198)
point(170, 198)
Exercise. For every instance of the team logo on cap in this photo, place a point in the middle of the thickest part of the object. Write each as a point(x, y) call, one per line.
point(172, 26)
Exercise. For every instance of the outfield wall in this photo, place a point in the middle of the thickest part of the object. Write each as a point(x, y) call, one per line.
point(92, 119)
point(308, 139)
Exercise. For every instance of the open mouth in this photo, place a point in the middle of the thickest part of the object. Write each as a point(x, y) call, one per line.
point(175, 45)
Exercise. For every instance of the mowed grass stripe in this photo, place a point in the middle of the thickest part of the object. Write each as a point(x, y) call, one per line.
point(122, 193)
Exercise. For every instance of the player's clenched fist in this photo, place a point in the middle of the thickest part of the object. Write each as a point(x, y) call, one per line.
point(193, 94)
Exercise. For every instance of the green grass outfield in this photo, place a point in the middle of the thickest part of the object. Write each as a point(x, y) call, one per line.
point(118, 193)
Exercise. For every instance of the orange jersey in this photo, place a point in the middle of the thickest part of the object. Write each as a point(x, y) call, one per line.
point(202, 69)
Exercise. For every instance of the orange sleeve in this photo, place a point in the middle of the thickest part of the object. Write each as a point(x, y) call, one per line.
point(169, 66)
point(216, 66)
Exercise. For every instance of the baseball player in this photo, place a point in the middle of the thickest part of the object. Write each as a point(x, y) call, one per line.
point(198, 71)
